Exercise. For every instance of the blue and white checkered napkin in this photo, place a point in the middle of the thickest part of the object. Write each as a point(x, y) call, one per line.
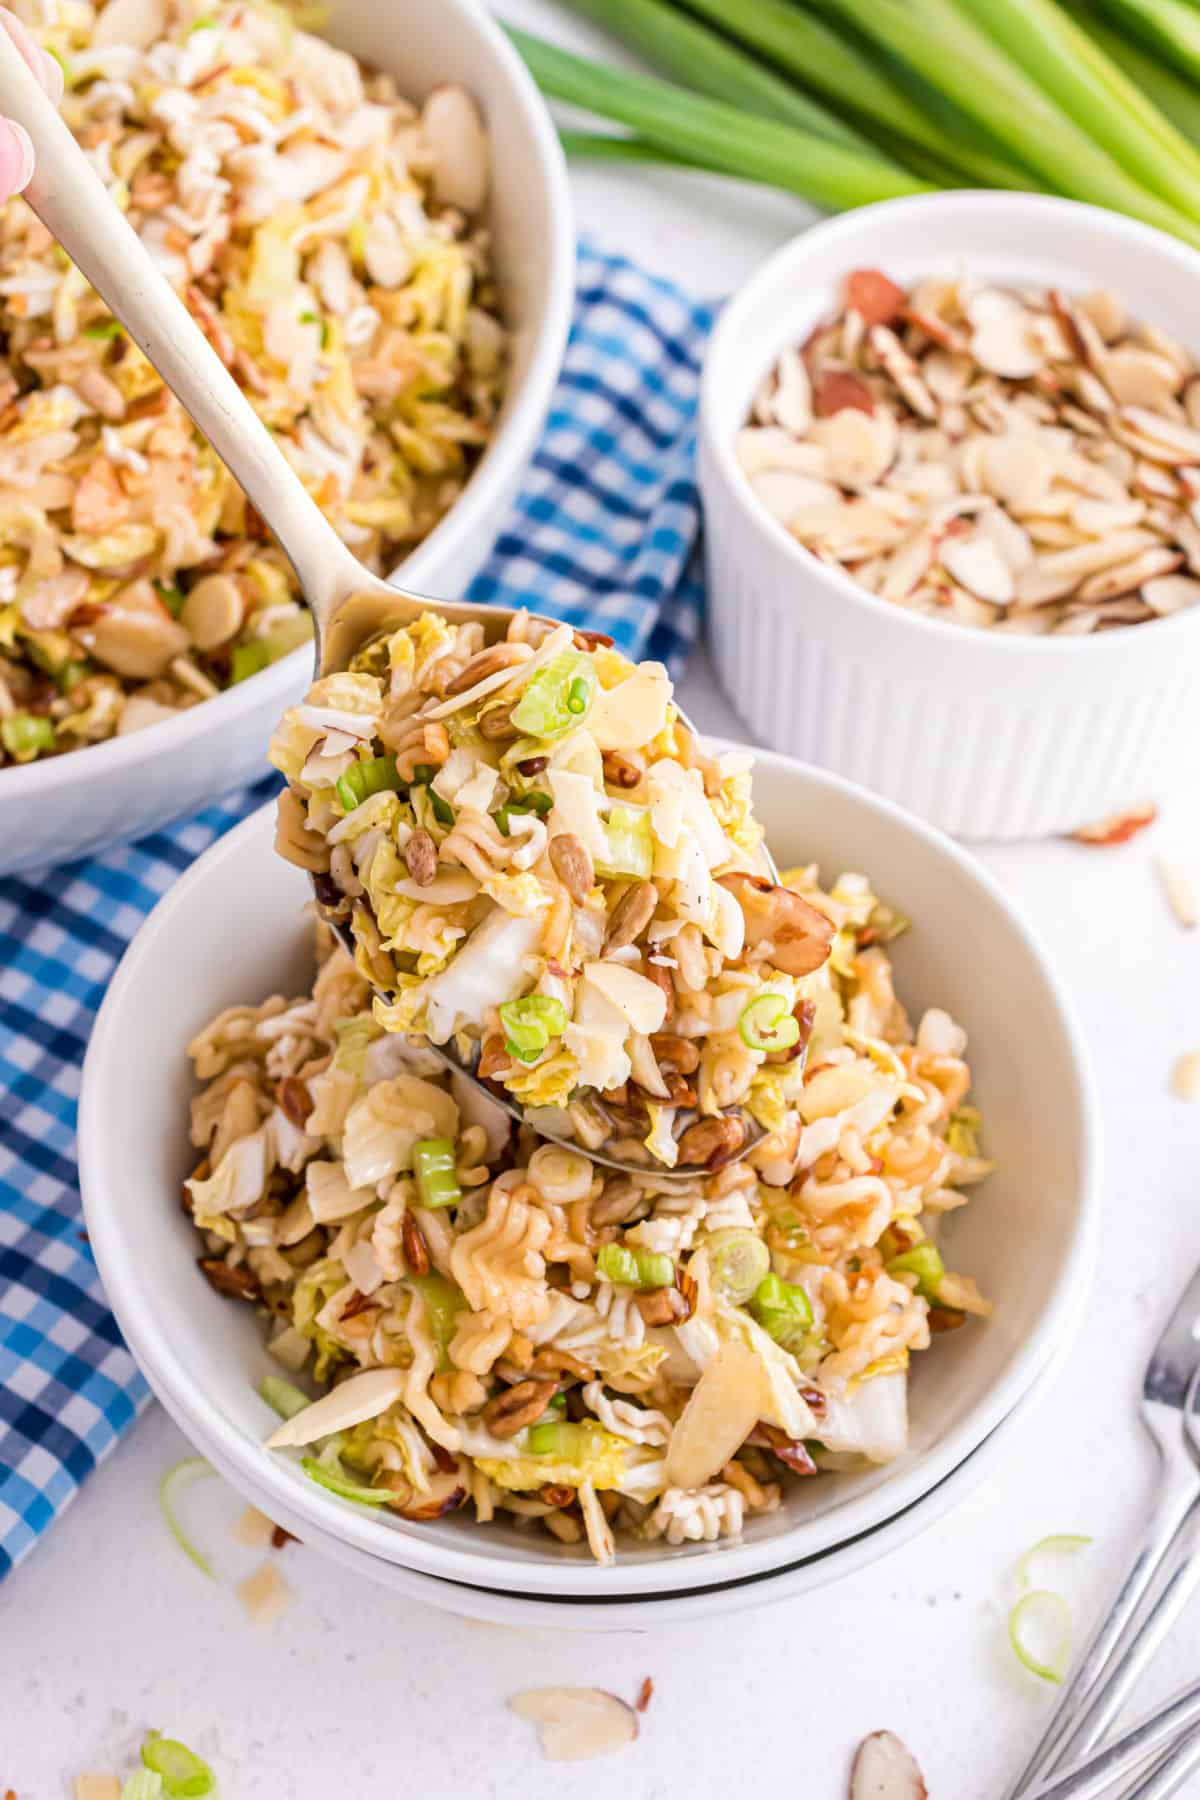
point(603, 534)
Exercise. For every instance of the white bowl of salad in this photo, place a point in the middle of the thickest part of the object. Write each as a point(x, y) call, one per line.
point(390, 278)
point(811, 1369)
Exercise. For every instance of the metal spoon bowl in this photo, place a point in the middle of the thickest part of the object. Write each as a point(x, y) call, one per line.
point(349, 604)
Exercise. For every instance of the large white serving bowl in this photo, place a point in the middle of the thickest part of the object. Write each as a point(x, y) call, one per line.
point(75, 805)
point(230, 931)
point(984, 734)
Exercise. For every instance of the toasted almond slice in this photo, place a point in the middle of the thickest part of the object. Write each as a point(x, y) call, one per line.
point(965, 609)
point(1191, 402)
point(899, 365)
point(1007, 346)
point(1054, 534)
point(577, 1724)
point(1167, 594)
point(1080, 622)
point(1162, 440)
point(1118, 828)
point(907, 564)
point(1181, 894)
point(363, 1396)
point(1014, 469)
point(1185, 1077)
point(96, 1787)
point(254, 1529)
point(976, 564)
point(885, 1769)
point(1011, 540)
point(1136, 377)
point(1106, 311)
point(859, 447)
point(783, 492)
point(760, 447)
point(836, 389)
point(791, 399)
point(1028, 621)
point(1099, 516)
point(1161, 341)
point(264, 1594)
point(1108, 584)
point(1187, 536)
point(1155, 482)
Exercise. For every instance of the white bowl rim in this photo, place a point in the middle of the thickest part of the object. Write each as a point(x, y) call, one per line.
point(465, 518)
point(152, 1345)
point(718, 444)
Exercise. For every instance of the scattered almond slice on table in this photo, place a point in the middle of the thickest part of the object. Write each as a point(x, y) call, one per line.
point(992, 457)
point(1185, 1077)
point(1180, 892)
point(577, 1724)
point(886, 1769)
point(1118, 828)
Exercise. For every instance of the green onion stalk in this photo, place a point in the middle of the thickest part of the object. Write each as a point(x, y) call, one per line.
point(1175, 96)
point(809, 50)
point(687, 51)
point(1170, 27)
point(947, 48)
point(719, 136)
point(1075, 71)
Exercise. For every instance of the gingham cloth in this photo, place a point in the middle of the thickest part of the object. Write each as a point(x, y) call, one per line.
point(604, 534)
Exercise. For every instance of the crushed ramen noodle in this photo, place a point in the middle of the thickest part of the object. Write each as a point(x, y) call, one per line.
point(493, 1321)
point(325, 235)
point(539, 863)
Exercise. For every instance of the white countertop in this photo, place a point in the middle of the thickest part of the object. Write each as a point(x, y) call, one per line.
point(106, 1630)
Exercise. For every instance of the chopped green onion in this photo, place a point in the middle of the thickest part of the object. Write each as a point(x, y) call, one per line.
point(185, 1776)
point(635, 1268)
point(1039, 1619)
point(567, 1442)
point(309, 318)
point(103, 328)
point(144, 1785)
point(288, 635)
point(248, 659)
point(353, 1036)
point(423, 774)
point(445, 1300)
point(206, 22)
point(283, 1397)
point(556, 1409)
point(557, 697)
point(434, 1164)
point(25, 735)
point(68, 674)
point(630, 844)
point(443, 812)
point(739, 1261)
point(1064, 1544)
point(338, 1482)
point(925, 1263)
point(530, 1023)
point(783, 1310)
point(533, 802)
point(362, 779)
point(767, 1024)
point(181, 1474)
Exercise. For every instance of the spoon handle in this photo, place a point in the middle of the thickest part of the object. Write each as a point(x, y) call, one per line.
point(69, 198)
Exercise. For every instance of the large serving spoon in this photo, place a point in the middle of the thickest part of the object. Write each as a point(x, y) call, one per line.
point(349, 604)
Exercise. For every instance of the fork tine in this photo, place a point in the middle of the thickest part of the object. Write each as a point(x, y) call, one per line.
point(1159, 1731)
point(1169, 1776)
point(1171, 1509)
point(1104, 1702)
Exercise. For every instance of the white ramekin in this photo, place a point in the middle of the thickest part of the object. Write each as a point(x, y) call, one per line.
point(1027, 1238)
point(74, 805)
point(986, 735)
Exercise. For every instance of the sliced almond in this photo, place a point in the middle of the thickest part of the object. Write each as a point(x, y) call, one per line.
point(351, 1403)
point(784, 492)
point(1136, 377)
point(1011, 540)
point(977, 565)
point(791, 398)
point(1107, 584)
point(577, 1724)
point(264, 1594)
point(1014, 470)
point(1185, 1077)
point(1167, 594)
point(885, 1769)
point(1106, 311)
point(1161, 440)
point(897, 363)
point(859, 447)
point(1097, 517)
point(1118, 828)
point(761, 447)
point(1180, 892)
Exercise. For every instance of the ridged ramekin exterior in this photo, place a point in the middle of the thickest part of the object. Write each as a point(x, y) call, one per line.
point(986, 736)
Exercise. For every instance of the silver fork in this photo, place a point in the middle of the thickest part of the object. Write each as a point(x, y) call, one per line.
point(1123, 1644)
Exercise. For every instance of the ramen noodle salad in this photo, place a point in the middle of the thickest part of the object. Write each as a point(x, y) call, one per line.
point(538, 862)
point(324, 236)
point(494, 1320)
